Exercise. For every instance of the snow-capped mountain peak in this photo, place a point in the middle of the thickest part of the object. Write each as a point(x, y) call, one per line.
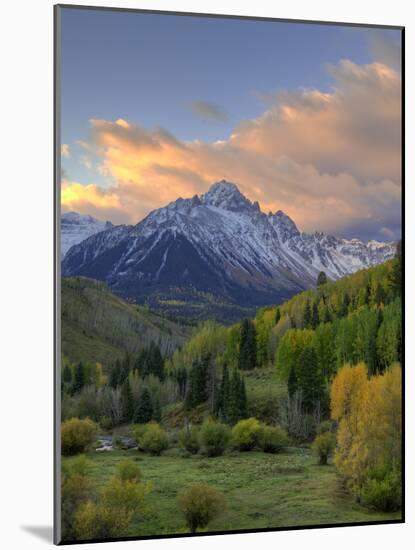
point(220, 243)
point(77, 227)
point(227, 196)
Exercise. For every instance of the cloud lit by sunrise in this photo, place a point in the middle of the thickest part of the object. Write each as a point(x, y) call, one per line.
point(310, 152)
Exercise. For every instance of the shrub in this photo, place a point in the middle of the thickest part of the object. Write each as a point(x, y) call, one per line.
point(125, 494)
point(383, 490)
point(272, 439)
point(245, 434)
point(154, 439)
point(76, 435)
point(128, 470)
point(76, 489)
point(323, 446)
point(79, 465)
point(96, 521)
point(325, 426)
point(189, 439)
point(214, 437)
point(199, 504)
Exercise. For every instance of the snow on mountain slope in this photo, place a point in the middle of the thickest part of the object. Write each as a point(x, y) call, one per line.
point(219, 242)
point(76, 228)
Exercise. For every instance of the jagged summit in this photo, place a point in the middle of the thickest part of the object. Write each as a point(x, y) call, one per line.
point(226, 195)
point(220, 243)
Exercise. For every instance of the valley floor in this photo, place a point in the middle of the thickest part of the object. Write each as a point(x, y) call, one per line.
point(261, 490)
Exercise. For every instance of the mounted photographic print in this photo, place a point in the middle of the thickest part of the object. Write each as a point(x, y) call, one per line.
point(229, 281)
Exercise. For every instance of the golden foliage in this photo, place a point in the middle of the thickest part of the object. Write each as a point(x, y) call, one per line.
point(369, 416)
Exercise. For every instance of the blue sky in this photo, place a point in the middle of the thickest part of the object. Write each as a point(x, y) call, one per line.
point(171, 71)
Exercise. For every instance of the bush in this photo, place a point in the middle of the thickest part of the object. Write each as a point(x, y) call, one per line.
point(80, 465)
point(125, 494)
point(189, 439)
point(128, 470)
point(214, 437)
point(245, 434)
point(323, 446)
point(272, 439)
point(325, 426)
point(154, 439)
point(76, 489)
point(96, 521)
point(199, 504)
point(76, 435)
point(383, 490)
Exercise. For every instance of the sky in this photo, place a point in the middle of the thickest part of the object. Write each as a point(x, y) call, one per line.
point(303, 118)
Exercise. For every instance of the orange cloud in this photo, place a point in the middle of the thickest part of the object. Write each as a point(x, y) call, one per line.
point(330, 160)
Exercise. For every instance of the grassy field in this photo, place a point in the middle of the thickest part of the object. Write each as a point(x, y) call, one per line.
point(261, 490)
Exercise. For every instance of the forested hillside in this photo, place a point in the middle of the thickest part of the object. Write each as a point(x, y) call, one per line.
point(98, 326)
point(319, 375)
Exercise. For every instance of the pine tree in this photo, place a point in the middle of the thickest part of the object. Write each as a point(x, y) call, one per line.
point(277, 316)
point(293, 323)
point(155, 361)
point(144, 410)
point(243, 401)
point(181, 378)
point(196, 392)
point(67, 375)
point(327, 318)
point(395, 277)
point(310, 380)
point(314, 316)
point(248, 347)
point(307, 315)
point(292, 383)
point(234, 402)
point(344, 309)
point(223, 397)
point(79, 378)
point(321, 279)
point(127, 401)
point(115, 375)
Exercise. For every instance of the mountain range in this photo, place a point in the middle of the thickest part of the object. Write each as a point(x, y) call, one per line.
point(217, 248)
point(77, 227)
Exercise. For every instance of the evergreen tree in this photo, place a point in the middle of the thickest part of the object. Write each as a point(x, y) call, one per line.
point(395, 277)
point(292, 383)
point(67, 375)
point(144, 410)
point(115, 375)
point(155, 361)
point(321, 279)
point(315, 320)
point(310, 380)
point(344, 309)
point(292, 322)
point(197, 383)
point(307, 315)
point(368, 292)
point(234, 412)
point(380, 294)
point(127, 401)
point(223, 397)
point(277, 316)
point(79, 378)
point(243, 401)
point(327, 318)
point(248, 347)
point(181, 379)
